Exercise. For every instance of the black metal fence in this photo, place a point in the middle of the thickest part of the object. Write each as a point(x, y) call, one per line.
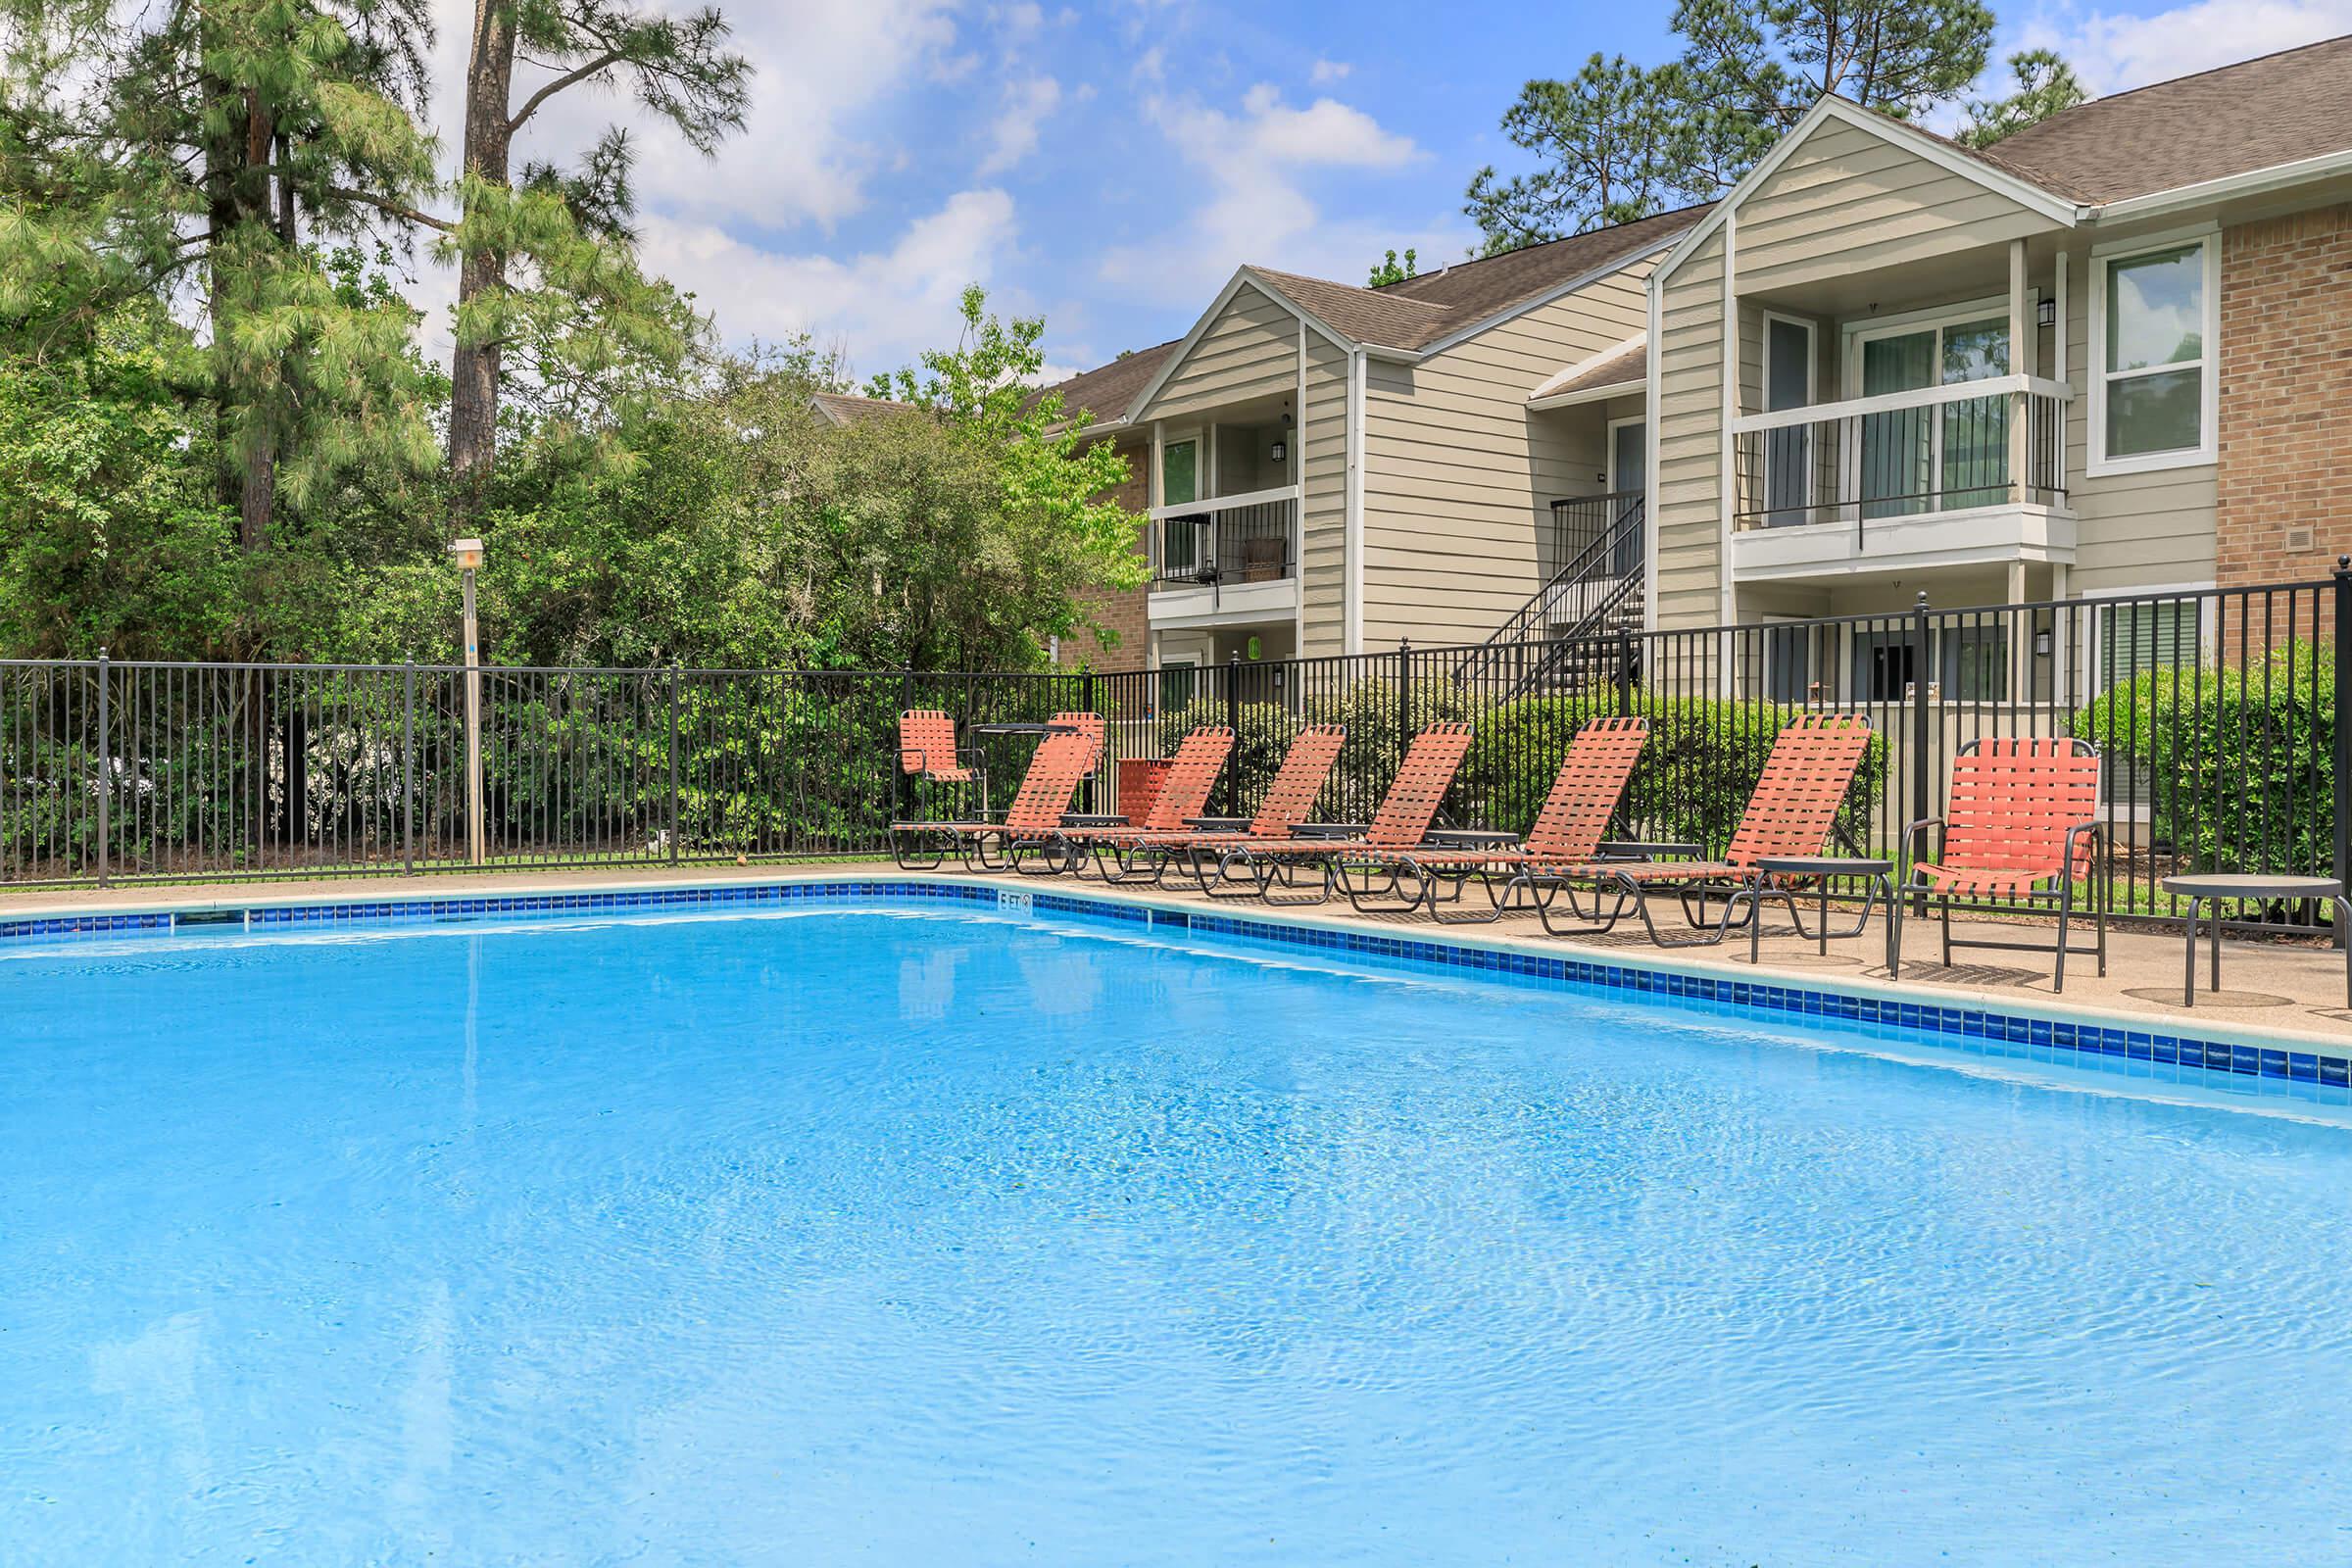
point(2217, 713)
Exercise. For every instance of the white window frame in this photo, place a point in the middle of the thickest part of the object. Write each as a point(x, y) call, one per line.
point(2097, 464)
point(1615, 481)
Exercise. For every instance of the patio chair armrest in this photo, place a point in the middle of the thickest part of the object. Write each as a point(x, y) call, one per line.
point(1330, 830)
point(1911, 834)
point(2092, 830)
point(1216, 824)
point(1647, 850)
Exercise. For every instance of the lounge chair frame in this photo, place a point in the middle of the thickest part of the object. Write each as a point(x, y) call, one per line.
point(1401, 823)
point(1023, 840)
point(2021, 813)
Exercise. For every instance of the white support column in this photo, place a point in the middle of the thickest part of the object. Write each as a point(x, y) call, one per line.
point(2021, 337)
point(1155, 497)
point(2021, 640)
point(1299, 507)
point(1355, 606)
point(1727, 480)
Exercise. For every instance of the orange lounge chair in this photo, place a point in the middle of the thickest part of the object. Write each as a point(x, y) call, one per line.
point(928, 752)
point(1791, 812)
point(1063, 758)
point(1567, 833)
point(1401, 823)
point(1201, 843)
point(2022, 814)
point(1192, 772)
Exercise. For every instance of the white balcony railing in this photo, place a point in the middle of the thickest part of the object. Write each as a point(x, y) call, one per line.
point(1989, 443)
point(1226, 540)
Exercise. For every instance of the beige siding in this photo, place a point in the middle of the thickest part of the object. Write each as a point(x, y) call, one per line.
point(1686, 492)
point(1845, 201)
point(1459, 475)
point(1250, 350)
point(2132, 530)
point(1323, 519)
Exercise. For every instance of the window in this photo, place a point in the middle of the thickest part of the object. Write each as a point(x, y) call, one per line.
point(1179, 485)
point(2154, 359)
point(1788, 450)
point(1934, 457)
point(1976, 663)
point(1885, 666)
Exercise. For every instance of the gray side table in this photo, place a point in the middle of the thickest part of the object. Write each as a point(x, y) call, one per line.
point(2199, 889)
point(1775, 875)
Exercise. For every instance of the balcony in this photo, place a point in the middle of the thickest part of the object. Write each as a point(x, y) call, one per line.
point(1972, 473)
point(1227, 559)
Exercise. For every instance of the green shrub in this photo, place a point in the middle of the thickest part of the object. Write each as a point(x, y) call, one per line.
point(1378, 733)
point(2236, 765)
point(1694, 780)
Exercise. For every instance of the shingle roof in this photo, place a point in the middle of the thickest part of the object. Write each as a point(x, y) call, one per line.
point(840, 407)
point(1627, 364)
point(1106, 391)
point(1493, 284)
point(1365, 314)
point(2232, 120)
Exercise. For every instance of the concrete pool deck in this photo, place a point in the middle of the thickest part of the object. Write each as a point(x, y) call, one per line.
point(2294, 989)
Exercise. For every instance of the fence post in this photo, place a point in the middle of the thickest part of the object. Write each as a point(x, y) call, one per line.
point(106, 764)
point(1625, 673)
point(2343, 729)
point(1919, 718)
point(673, 765)
point(1107, 767)
point(407, 766)
point(1233, 723)
point(901, 785)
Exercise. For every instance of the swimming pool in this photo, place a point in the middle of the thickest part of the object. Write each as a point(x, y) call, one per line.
point(892, 1235)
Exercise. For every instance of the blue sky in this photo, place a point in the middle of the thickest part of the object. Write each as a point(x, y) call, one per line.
point(1110, 165)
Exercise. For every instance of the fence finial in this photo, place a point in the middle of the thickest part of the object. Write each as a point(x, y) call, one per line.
point(2344, 566)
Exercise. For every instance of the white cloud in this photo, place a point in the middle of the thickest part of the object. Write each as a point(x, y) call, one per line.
point(1014, 134)
point(820, 68)
point(1326, 71)
point(885, 306)
point(2114, 51)
point(1152, 64)
point(1256, 208)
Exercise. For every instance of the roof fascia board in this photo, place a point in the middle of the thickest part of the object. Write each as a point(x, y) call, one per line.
point(1587, 363)
point(1558, 291)
point(1588, 394)
point(2058, 209)
point(1183, 348)
point(2251, 183)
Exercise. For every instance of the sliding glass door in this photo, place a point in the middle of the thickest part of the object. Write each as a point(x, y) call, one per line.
point(1940, 457)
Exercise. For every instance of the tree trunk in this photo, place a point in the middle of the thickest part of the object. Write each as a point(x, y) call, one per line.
point(474, 368)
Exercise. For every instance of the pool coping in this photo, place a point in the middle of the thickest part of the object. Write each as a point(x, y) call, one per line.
point(2270, 1052)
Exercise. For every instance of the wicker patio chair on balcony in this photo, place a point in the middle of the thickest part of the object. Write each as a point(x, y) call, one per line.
point(1032, 822)
point(2022, 828)
point(1402, 824)
point(1790, 814)
point(1567, 833)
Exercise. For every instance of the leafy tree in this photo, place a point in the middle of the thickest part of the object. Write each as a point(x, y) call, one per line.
point(1609, 151)
point(1619, 141)
point(211, 150)
point(2045, 84)
point(544, 265)
point(1392, 270)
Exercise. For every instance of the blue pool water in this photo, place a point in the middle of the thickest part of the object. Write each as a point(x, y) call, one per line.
point(872, 1236)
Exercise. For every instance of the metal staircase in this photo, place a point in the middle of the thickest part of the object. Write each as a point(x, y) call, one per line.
point(1566, 637)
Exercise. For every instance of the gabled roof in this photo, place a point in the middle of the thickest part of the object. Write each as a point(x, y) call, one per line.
point(2234, 120)
point(841, 408)
point(1412, 316)
point(1605, 374)
point(1105, 393)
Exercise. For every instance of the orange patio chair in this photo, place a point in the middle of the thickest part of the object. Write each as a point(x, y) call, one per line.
point(2021, 828)
point(1567, 833)
point(928, 752)
point(1791, 812)
point(1192, 772)
point(1200, 842)
point(1401, 823)
point(1062, 760)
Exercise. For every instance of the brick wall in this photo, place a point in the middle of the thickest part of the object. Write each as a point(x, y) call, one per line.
point(1122, 613)
point(2284, 510)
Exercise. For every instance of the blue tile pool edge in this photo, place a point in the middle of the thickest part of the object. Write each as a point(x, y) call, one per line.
point(2246, 1052)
